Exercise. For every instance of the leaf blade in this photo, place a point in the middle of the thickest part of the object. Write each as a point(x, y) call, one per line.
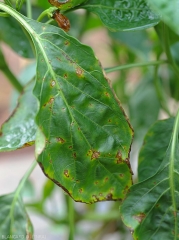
point(123, 15)
point(20, 129)
point(151, 207)
point(13, 218)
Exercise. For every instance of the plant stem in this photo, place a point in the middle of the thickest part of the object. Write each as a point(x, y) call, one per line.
point(134, 65)
point(172, 170)
point(25, 177)
point(71, 218)
point(47, 12)
point(167, 50)
point(29, 8)
point(12, 79)
point(3, 14)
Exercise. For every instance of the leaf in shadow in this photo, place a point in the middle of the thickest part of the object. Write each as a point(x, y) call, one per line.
point(151, 208)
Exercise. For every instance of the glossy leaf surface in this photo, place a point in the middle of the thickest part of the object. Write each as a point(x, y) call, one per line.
point(151, 208)
point(8, 28)
point(123, 15)
point(156, 142)
point(168, 11)
point(65, 4)
point(14, 220)
point(20, 129)
point(87, 134)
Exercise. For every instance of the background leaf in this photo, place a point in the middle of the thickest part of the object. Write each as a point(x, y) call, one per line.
point(66, 5)
point(13, 218)
point(20, 129)
point(20, 44)
point(167, 10)
point(143, 113)
point(156, 142)
point(123, 15)
point(84, 129)
point(151, 208)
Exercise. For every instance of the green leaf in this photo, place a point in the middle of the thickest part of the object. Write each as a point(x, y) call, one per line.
point(48, 189)
point(20, 129)
point(156, 142)
point(151, 208)
point(123, 15)
point(8, 28)
point(87, 134)
point(143, 113)
point(14, 220)
point(65, 5)
point(168, 11)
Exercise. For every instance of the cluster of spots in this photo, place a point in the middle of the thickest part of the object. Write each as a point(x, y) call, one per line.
point(119, 157)
point(60, 140)
point(126, 190)
point(139, 217)
point(65, 75)
point(95, 155)
point(66, 173)
point(81, 190)
point(74, 155)
point(62, 21)
point(101, 197)
point(79, 72)
point(107, 94)
point(52, 83)
point(106, 179)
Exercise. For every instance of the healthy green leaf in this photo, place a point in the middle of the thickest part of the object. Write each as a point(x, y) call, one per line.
point(20, 129)
point(87, 134)
point(14, 220)
point(8, 28)
point(168, 11)
point(123, 15)
point(151, 208)
point(156, 142)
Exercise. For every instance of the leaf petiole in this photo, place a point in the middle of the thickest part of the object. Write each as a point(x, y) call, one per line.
point(48, 12)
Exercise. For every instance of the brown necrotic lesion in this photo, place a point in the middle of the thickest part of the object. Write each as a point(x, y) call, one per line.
point(62, 21)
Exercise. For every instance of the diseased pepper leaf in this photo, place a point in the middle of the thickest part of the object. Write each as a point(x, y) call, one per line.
point(20, 129)
point(88, 136)
point(151, 208)
point(14, 220)
point(123, 15)
point(154, 148)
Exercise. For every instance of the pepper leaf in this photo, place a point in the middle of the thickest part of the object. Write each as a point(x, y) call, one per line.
point(20, 129)
point(88, 136)
point(14, 220)
point(65, 4)
point(151, 208)
point(123, 15)
point(168, 11)
point(154, 149)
